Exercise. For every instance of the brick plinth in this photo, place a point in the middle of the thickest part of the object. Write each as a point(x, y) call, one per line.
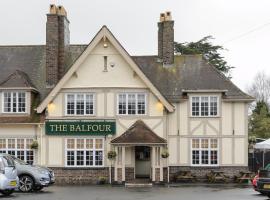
point(80, 176)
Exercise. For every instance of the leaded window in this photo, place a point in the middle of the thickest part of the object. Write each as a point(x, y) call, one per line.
point(80, 104)
point(132, 104)
point(14, 102)
point(204, 106)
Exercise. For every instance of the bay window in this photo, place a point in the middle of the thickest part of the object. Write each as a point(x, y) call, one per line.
point(204, 106)
point(80, 104)
point(14, 102)
point(204, 152)
point(131, 104)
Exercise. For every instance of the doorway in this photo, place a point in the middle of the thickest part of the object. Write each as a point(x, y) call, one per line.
point(142, 161)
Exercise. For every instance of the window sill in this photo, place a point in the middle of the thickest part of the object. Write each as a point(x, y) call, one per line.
point(205, 116)
point(84, 168)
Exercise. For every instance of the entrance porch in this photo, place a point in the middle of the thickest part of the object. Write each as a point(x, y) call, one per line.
point(139, 155)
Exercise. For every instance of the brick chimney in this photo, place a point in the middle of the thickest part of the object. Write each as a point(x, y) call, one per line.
point(166, 39)
point(57, 43)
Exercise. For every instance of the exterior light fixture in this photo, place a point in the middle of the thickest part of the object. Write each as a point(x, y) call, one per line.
point(105, 44)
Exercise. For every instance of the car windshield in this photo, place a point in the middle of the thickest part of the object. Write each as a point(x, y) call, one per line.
point(19, 161)
point(8, 161)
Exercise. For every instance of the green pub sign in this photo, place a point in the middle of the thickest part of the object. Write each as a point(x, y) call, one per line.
point(80, 127)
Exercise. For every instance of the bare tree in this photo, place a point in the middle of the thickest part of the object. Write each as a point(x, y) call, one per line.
point(260, 87)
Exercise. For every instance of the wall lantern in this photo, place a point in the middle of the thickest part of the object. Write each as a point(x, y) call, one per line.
point(159, 107)
point(105, 44)
point(51, 107)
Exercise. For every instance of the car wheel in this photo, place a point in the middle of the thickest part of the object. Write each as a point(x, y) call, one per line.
point(7, 192)
point(38, 188)
point(26, 183)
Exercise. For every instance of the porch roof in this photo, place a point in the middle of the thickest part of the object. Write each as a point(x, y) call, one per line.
point(139, 133)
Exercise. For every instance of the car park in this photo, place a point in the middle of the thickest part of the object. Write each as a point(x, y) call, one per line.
point(33, 177)
point(8, 175)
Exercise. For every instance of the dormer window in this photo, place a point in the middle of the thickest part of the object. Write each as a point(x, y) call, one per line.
point(14, 102)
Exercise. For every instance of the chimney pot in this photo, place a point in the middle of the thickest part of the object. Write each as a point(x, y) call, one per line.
point(162, 17)
point(53, 9)
point(168, 16)
point(61, 11)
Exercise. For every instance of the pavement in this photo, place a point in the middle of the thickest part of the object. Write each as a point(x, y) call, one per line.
point(175, 192)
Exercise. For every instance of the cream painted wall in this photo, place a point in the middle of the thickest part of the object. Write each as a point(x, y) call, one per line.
point(55, 151)
point(239, 151)
point(172, 151)
point(184, 151)
point(226, 151)
point(239, 112)
point(17, 131)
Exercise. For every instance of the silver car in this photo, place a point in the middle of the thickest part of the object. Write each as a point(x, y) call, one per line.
point(8, 175)
point(33, 177)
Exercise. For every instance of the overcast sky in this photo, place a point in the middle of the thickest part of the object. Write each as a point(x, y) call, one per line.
point(241, 26)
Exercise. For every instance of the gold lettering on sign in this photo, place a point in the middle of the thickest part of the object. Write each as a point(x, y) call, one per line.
point(72, 128)
point(78, 128)
point(65, 128)
point(95, 127)
point(101, 127)
point(108, 128)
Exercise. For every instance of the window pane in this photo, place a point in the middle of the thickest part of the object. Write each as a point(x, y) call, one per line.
point(70, 104)
point(213, 106)
point(99, 144)
point(89, 101)
point(132, 104)
point(80, 104)
point(204, 143)
point(89, 158)
point(2, 143)
point(70, 158)
point(204, 157)
point(214, 157)
point(11, 143)
point(30, 157)
point(20, 143)
point(20, 155)
point(80, 158)
point(99, 158)
point(14, 102)
point(213, 143)
point(89, 144)
point(28, 143)
point(80, 143)
point(141, 104)
point(204, 106)
point(195, 106)
point(7, 102)
point(21, 102)
point(122, 104)
point(195, 157)
point(196, 143)
point(70, 143)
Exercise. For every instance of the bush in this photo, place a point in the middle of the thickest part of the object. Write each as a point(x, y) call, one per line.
point(165, 154)
point(34, 145)
point(111, 155)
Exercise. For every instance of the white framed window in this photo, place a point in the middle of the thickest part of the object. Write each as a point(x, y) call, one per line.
point(204, 152)
point(14, 102)
point(204, 106)
point(18, 147)
point(80, 104)
point(131, 104)
point(84, 152)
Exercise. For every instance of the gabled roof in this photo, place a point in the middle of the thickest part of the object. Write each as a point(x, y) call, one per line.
point(188, 73)
point(104, 32)
point(18, 79)
point(139, 133)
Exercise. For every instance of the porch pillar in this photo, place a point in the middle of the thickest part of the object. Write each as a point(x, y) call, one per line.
point(123, 164)
point(153, 155)
point(161, 165)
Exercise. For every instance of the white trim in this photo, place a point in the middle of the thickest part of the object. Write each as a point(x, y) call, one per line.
point(104, 32)
point(75, 102)
point(209, 106)
point(136, 103)
point(204, 149)
point(84, 149)
point(17, 102)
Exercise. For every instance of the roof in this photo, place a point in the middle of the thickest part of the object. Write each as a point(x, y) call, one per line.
point(189, 72)
point(18, 79)
point(139, 133)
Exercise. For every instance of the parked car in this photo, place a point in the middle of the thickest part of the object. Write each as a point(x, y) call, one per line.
point(33, 177)
point(8, 175)
point(263, 182)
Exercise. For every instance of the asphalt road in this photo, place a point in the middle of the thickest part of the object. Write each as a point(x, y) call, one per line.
point(191, 192)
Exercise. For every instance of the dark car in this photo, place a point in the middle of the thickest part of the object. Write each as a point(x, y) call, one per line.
point(263, 182)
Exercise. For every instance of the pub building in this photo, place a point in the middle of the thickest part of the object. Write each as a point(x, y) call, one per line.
point(67, 106)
